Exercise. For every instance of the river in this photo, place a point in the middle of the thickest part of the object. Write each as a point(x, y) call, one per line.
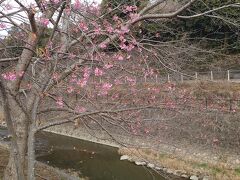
point(92, 160)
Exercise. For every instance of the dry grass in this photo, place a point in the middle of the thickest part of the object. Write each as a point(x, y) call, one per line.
point(216, 172)
point(221, 89)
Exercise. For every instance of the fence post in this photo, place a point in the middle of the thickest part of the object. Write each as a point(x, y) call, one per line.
point(196, 75)
point(228, 75)
point(230, 104)
point(211, 75)
point(206, 103)
point(181, 78)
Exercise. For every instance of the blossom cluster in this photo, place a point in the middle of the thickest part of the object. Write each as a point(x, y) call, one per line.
point(12, 76)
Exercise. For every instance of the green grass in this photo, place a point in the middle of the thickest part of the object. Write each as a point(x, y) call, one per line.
point(237, 171)
point(161, 155)
point(202, 165)
point(216, 170)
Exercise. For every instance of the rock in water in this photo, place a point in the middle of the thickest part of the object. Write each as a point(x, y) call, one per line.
point(150, 165)
point(194, 177)
point(140, 163)
point(124, 157)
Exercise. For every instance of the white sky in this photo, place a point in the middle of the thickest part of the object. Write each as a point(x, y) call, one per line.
point(15, 7)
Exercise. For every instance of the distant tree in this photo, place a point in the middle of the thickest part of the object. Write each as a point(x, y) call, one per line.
point(218, 29)
point(121, 8)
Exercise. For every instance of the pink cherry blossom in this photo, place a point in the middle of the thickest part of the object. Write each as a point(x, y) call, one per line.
point(83, 26)
point(70, 89)
point(44, 22)
point(2, 26)
point(103, 45)
point(55, 76)
point(155, 90)
point(122, 39)
point(133, 16)
point(8, 7)
point(124, 30)
point(73, 78)
point(68, 11)
point(82, 82)
point(128, 8)
point(157, 35)
point(94, 8)
point(170, 105)
point(120, 58)
point(134, 41)
point(98, 72)
point(115, 96)
point(97, 30)
point(11, 76)
point(115, 18)
point(80, 109)
point(56, 1)
point(20, 74)
point(86, 72)
point(146, 130)
point(131, 81)
point(29, 86)
point(128, 47)
point(105, 88)
point(60, 102)
point(109, 29)
point(77, 5)
point(118, 81)
point(171, 87)
point(71, 56)
point(108, 66)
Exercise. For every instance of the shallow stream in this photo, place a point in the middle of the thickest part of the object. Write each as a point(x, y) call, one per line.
point(92, 160)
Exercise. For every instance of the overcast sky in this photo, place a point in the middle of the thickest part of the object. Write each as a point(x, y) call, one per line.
point(15, 6)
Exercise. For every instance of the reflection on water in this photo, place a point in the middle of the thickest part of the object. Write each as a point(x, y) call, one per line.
point(98, 162)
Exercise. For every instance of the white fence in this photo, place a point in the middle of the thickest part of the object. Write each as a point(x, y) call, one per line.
point(228, 75)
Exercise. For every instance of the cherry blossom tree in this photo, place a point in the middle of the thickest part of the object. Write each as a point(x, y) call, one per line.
point(76, 66)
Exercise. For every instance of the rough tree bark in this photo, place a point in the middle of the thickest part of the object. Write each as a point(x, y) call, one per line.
point(15, 167)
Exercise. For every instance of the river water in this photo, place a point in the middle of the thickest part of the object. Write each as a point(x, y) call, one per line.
point(92, 160)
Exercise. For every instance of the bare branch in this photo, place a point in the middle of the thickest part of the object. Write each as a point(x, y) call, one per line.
point(166, 15)
point(54, 124)
point(9, 59)
point(57, 21)
point(12, 13)
point(13, 23)
point(210, 11)
point(32, 21)
point(151, 6)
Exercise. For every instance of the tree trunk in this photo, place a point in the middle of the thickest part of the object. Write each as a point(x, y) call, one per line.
point(14, 170)
point(17, 161)
point(14, 117)
point(31, 154)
